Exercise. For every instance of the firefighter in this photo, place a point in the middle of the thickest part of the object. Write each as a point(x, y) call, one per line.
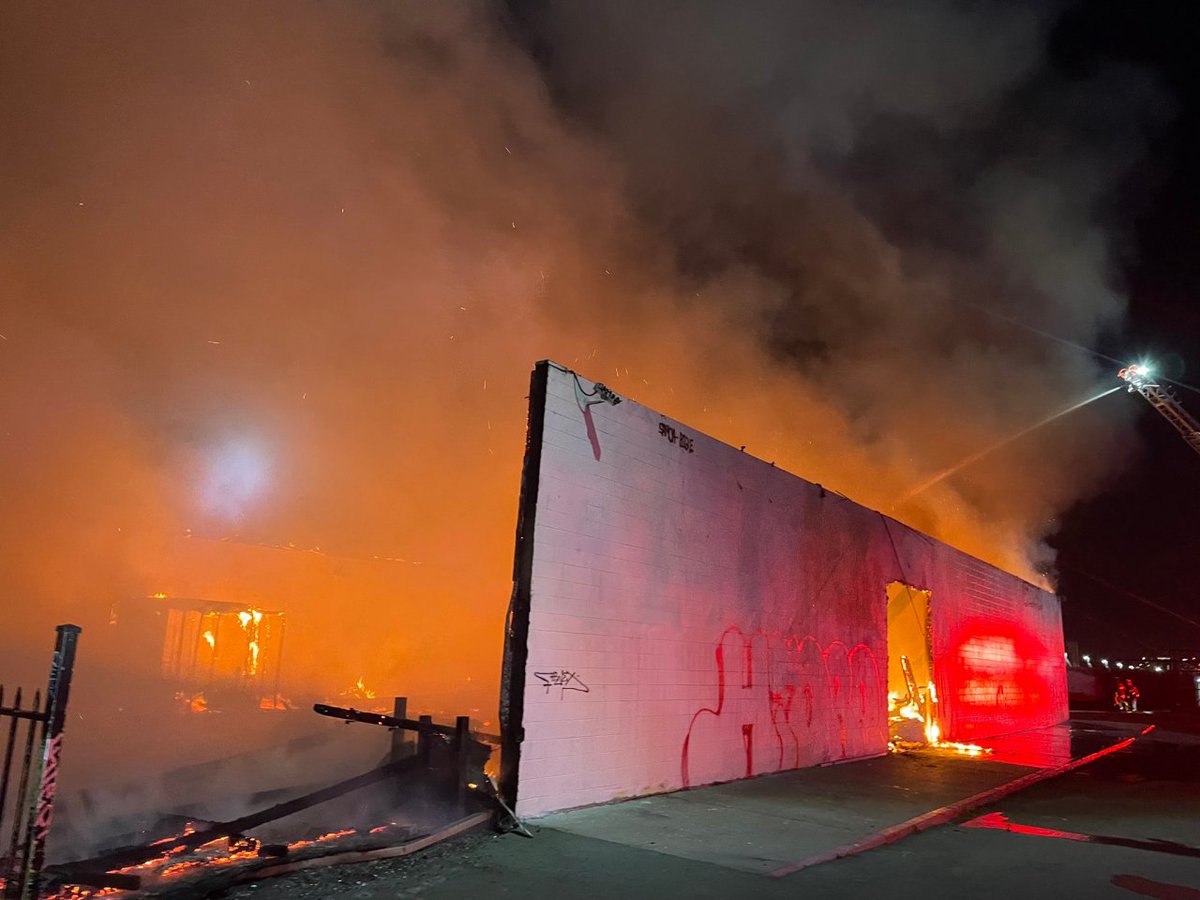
point(1121, 697)
point(1132, 694)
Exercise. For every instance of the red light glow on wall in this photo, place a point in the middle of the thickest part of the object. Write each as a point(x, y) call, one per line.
point(998, 670)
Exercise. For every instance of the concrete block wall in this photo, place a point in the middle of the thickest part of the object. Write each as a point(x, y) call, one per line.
point(998, 649)
point(690, 614)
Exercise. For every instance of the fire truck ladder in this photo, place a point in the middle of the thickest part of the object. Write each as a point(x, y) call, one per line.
point(1139, 379)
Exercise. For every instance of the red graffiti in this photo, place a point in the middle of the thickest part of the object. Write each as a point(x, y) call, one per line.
point(45, 808)
point(791, 666)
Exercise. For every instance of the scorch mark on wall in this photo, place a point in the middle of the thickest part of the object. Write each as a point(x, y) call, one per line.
point(788, 667)
point(585, 400)
point(563, 679)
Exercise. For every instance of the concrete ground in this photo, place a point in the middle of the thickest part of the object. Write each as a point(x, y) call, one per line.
point(768, 823)
point(1126, 825)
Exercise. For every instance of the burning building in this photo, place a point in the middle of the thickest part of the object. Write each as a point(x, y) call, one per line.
point(213, 653)
point(684, 613)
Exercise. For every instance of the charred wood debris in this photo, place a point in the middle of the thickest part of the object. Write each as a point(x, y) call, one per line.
point(443, 768)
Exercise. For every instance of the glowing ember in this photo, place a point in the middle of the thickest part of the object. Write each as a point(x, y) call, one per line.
point(329, 836)
point(177, 860)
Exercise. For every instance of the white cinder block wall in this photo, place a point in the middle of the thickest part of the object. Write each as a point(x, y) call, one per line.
point(693, 614)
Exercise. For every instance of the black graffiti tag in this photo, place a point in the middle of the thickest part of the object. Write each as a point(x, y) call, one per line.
point(562, 679)
point(675, 436)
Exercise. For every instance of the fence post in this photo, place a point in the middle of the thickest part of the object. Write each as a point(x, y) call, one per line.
point(19, 831)
point(462, 759)
point(401, 746)
point(425, 741)
point(59, 689)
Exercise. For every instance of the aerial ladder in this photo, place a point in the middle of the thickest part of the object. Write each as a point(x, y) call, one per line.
point(1140, 378)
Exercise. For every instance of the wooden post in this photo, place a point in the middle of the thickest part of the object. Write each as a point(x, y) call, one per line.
point(401, 744)
point(425, 741)
point(462, 757)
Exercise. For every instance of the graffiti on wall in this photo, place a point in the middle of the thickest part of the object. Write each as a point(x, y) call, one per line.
point(784, 701)
point(563, 679)
point(672, 434)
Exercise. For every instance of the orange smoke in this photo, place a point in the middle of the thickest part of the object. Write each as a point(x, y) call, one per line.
point(275, 293)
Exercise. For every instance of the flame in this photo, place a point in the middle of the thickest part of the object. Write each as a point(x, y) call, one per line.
point(902, 707)
point(210, 639)
point(965, 749)
point(491, 768)
point(909, 711)
point(359, 692)
point(250, 619)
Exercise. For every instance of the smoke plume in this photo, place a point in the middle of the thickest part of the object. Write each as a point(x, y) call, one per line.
point(274, 276)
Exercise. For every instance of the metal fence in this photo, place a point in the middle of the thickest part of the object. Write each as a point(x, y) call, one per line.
point(31, 738)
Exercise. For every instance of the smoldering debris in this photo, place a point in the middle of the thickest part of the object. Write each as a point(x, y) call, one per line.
point(422, 792)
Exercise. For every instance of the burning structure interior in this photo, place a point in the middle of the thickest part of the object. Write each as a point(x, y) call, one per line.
point(684, 613)
point(214, 654)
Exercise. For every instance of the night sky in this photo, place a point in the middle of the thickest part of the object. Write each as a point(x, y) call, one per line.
point(1142, 534)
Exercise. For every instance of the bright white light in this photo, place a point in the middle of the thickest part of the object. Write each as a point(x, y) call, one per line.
point(1138, 375)
point(236, 474)
point(1087, 659)
point(1158, 668)
point(1120, 665)
point(1104, 662)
